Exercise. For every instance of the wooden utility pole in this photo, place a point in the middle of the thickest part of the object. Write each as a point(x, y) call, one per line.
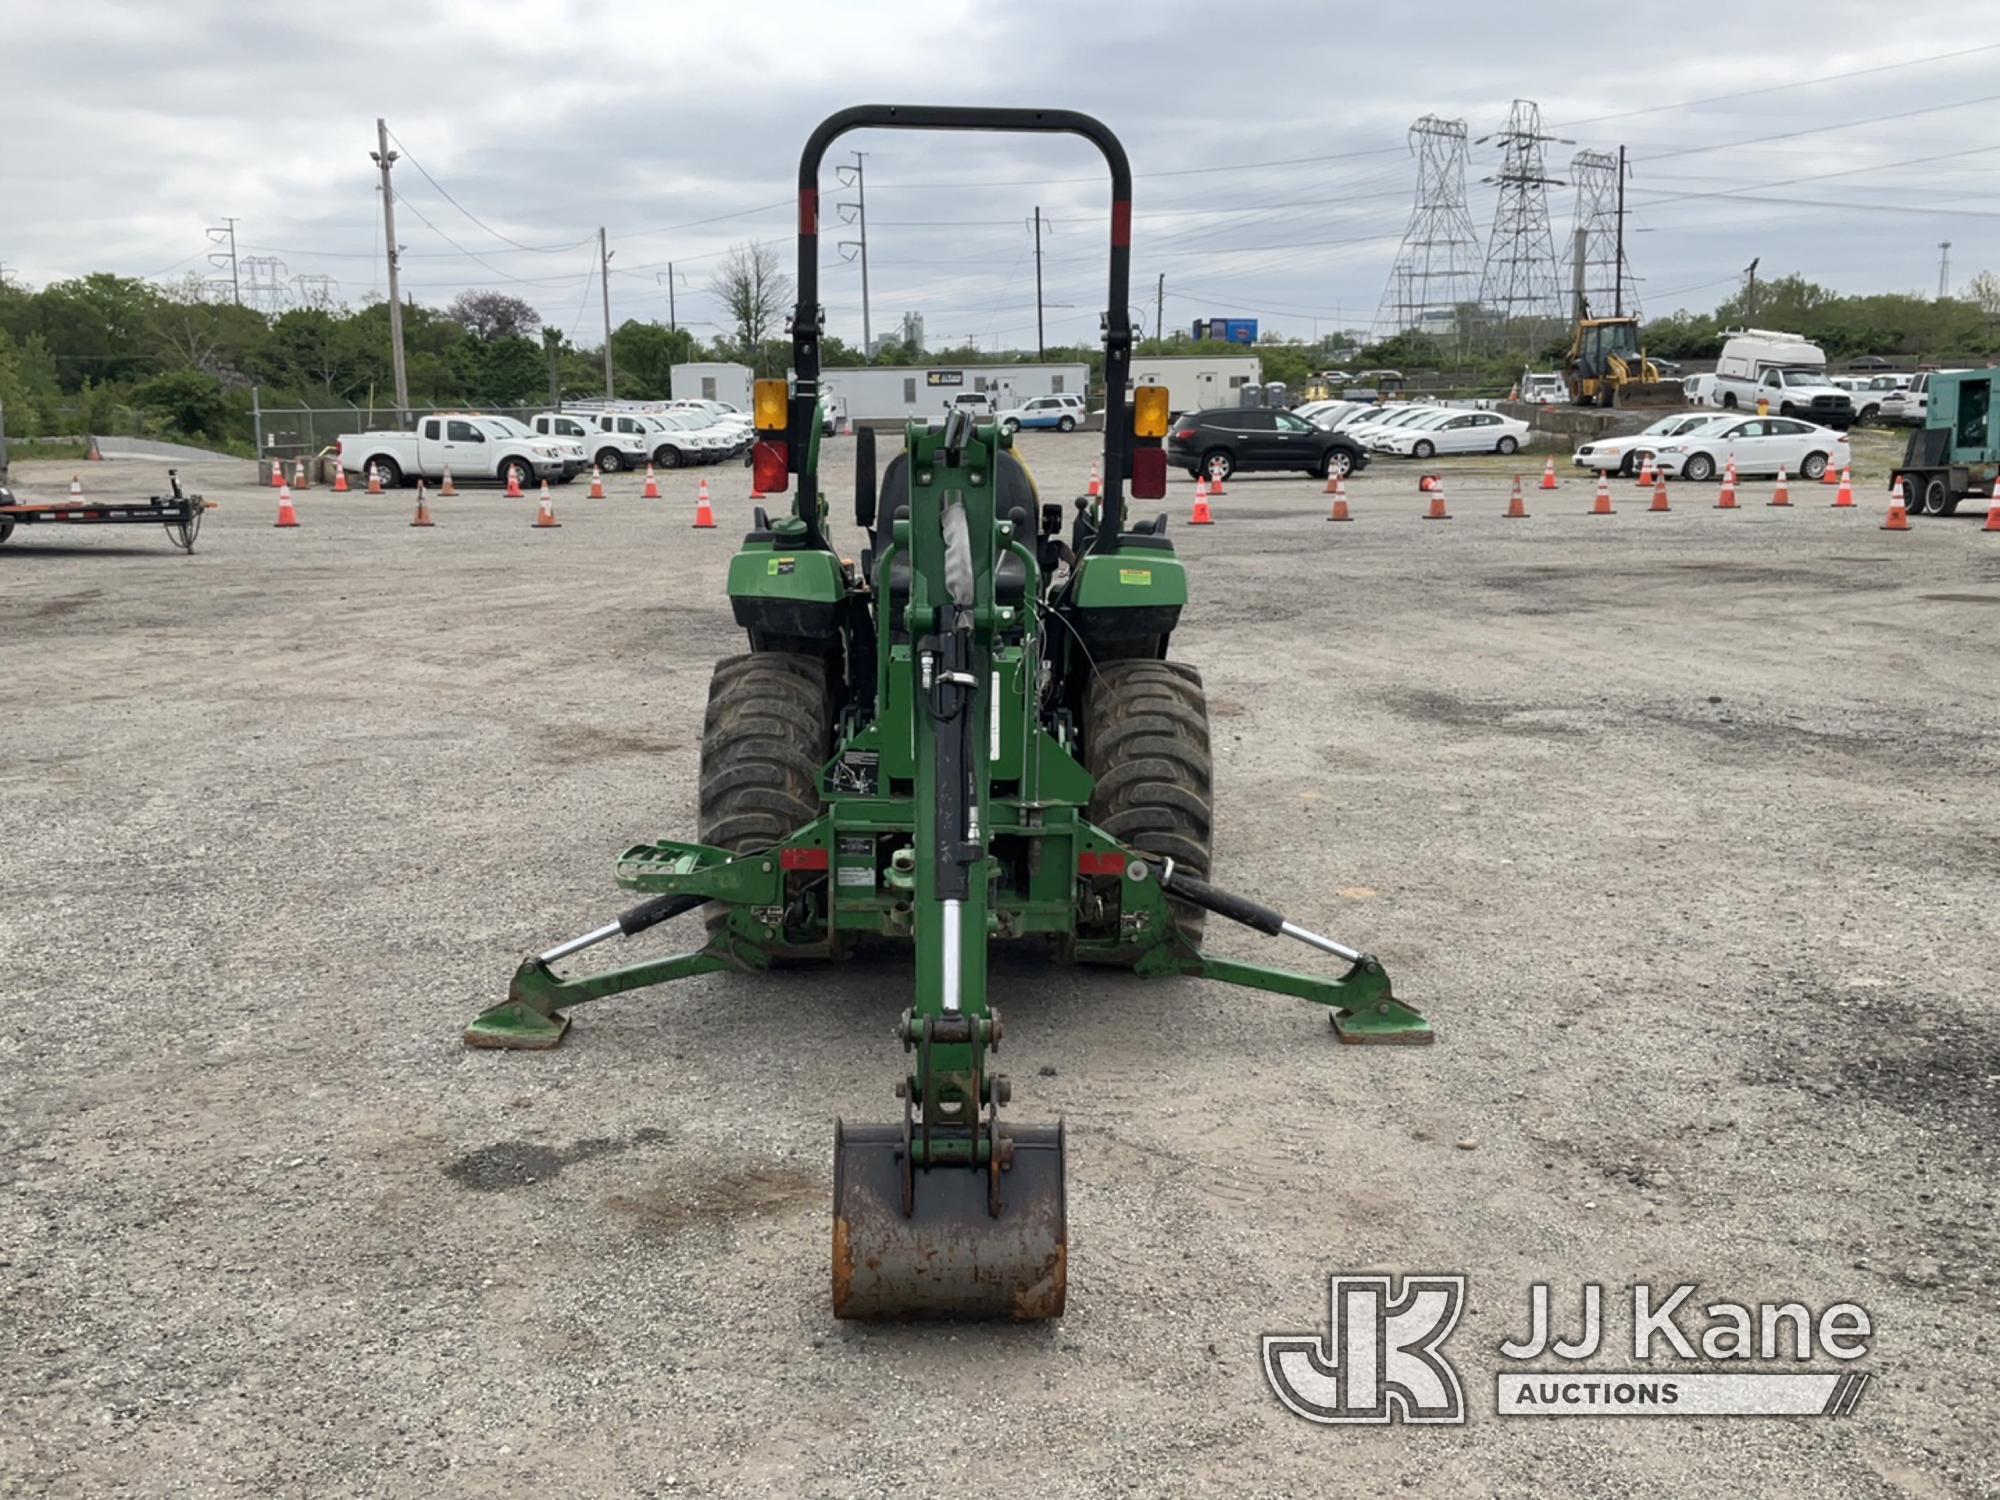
point(385, 159)
point(604, 280)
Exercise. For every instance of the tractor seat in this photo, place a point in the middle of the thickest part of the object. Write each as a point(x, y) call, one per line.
point(1016, 492)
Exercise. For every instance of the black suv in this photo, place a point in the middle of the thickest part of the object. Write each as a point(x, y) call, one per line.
point(1225, 439)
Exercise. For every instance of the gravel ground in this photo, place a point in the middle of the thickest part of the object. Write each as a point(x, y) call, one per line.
point(1680, 828)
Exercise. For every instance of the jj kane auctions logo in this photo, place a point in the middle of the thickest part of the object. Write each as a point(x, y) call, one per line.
point(1382, 1360)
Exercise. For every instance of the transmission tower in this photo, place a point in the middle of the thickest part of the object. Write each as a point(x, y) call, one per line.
point(1435, 273)
point(264, 283)
point(1594, 174)
point(1520, 293)
point(315, 291)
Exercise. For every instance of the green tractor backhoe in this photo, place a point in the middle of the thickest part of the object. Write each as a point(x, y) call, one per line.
point(972, 735)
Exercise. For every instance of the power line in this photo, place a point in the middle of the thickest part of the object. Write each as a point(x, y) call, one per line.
point(536, 249)
point(1775, 88)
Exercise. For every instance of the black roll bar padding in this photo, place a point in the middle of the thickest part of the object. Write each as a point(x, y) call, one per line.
point(1117, 315)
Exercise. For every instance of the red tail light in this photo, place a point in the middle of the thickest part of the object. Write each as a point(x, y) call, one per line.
point(769, 468)
point(1149, 474)
point(1185, 435)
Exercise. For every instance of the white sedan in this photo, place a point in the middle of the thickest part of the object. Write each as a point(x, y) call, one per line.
point(1364, 428)
point(1622, 454)
point(1453, 432)
point(1760, 445)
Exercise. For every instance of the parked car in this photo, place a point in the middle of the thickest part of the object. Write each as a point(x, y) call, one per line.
point(977, 402)
point(1063, 413)
point(688, 436)
point(1622, 454)
point(1700, 390)
point(1222, 440)
point(1543, 389)
point(1456, 432)
point(1783, 370)
point(1908, 405)
point(1760, 445)
point(592, 446)
point(1385, 418)
point(1872, 391)
point(470, 444)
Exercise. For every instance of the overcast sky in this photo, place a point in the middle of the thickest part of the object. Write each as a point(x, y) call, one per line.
point(1270, 145)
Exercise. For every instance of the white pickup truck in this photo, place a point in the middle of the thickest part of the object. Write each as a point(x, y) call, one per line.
point(1783, 370)
point(470, 445)
point(612, 443)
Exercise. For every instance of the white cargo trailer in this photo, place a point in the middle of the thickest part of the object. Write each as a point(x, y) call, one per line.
point(1194, 383)
point(895, 393)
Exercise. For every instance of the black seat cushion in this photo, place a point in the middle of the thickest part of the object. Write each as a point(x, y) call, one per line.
point(1016, 492)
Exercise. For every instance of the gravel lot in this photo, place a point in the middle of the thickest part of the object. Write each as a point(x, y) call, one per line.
point(1681, 828)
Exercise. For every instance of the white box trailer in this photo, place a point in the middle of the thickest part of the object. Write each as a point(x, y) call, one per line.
point(712, 382)
point(895, 393)
point(1194, 383)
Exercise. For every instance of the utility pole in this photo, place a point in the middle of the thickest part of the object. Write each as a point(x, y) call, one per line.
point(228, 227)
point(1750, 289)
point(673, 322)
point(1041, 342)
point(604, 283)
point(1160, 307)
point(385, 159)
point(860, 220)
point(1579, 259)
point(1944, 269)
point(1618, 266)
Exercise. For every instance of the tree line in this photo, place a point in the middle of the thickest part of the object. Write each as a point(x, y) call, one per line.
point(104, 353)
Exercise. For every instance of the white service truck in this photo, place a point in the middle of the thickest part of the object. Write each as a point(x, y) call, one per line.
point(1783, 370)
point(470, 445)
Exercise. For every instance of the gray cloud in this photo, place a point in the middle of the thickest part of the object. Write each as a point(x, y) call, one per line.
point(135, 126)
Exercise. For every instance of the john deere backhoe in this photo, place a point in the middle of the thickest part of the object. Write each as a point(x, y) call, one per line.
point(1607, 366)
point(972, 734)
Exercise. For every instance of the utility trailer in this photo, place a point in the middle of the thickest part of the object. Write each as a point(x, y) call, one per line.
point(1955, 454)
point(178, 512)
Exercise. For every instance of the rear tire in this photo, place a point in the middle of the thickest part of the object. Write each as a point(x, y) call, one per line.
point(391, 472)
point(1813, 467)
point(1145, 742)
point(1937, 497)
point(1507, 444)
point(515, 470)
point(1067, 424)
point(763, 740)
point(1218, 465)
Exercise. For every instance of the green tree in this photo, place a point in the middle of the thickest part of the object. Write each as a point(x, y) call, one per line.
point(187, 401)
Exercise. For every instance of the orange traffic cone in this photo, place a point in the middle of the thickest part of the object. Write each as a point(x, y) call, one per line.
point(652, 489)
point(1437, 512)
point(299, 480)
point(1828, 476)
point(75, 487)
point(1646, 472)
point(1843, 498)
point(1201, 516)
point(704, 518)
point(374, 480)
point(1659, 494)
point(277, 473)
point(1096, 490)
point(424, 506)
point(1727, 499)
point(1215, 488)
point(447, 487)
point(1602, 505)
point(287, 517)
point(1549, 474)
point(1340, 512)
point(596, 483)
point(1993, 510)
point(1899, 515)
point(545, 513)
point(514, 483)
point(1781, 496)
point(1517, 509)
point(340, 486)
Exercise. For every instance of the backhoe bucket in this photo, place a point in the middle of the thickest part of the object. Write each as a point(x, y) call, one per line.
point(950, 1256)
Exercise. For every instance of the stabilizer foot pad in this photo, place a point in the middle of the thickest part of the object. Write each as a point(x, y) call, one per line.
point(1384, 1023)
